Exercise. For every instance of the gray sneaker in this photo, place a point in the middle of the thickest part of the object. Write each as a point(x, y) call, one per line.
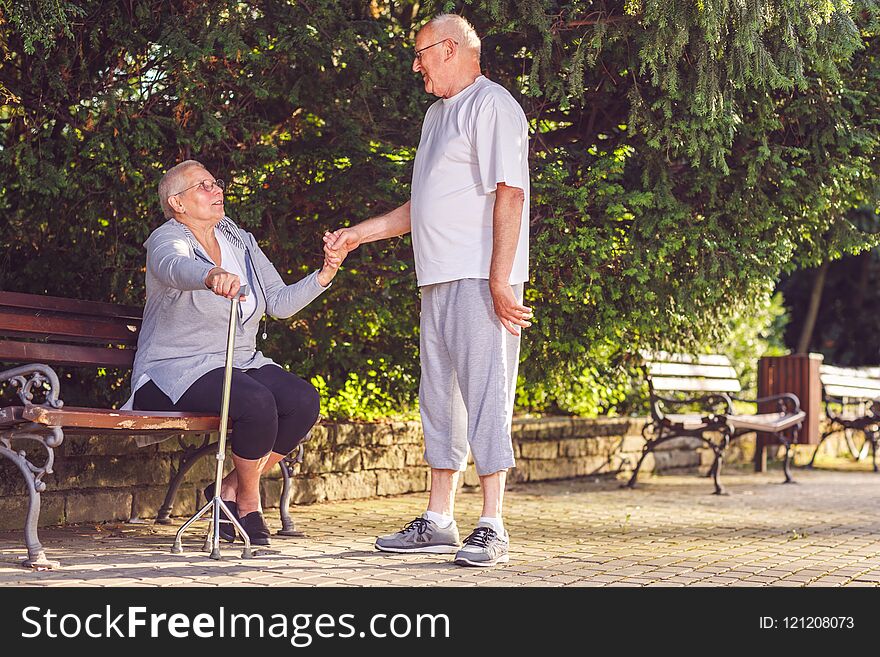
point(484, 547)
point(421, 535)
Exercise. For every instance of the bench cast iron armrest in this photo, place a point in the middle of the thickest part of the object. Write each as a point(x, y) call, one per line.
point(710, 401)
point(832, 404)
point(33, 378)
point(788, 402)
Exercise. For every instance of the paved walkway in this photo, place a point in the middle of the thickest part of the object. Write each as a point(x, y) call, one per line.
point(669, 532)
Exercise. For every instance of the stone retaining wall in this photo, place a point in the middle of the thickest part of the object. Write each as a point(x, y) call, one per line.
point(108, 478)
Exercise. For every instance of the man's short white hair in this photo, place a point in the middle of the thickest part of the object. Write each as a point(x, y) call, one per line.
point(171, 183)
point(458, 29)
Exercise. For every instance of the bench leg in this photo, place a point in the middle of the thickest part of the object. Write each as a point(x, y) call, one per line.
point(650, 444)
point(288, 528)
point(786, 464)
point(187, 460)
point(873, 436)
point(719, 461)
point(818, 445)
point(33, 476)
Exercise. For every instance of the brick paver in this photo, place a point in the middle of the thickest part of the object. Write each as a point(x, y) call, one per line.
point(668, 532)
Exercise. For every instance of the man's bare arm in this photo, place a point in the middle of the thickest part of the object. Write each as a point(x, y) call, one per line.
point(506, 224)
point(393, 224)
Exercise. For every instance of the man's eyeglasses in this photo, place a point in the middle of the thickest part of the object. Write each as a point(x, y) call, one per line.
point(205, 185)
point(419, 52)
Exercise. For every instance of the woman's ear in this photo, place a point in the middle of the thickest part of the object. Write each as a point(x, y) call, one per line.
point(175, 204)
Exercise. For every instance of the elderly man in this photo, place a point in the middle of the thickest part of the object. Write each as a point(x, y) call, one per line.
point(468, 214)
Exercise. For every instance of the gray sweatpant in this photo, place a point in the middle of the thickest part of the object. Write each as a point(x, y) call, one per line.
point(469, 366)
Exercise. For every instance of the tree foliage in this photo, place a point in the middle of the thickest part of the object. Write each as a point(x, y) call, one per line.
point(683, 154)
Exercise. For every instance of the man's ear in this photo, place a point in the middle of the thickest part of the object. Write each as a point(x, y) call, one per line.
point(451, 49)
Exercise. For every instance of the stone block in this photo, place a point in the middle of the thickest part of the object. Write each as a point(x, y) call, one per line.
point(396, 482)
point(680, 443)
point(344, 458)
point(540, 450)
point(13, 511)
point(669, 460)
point(308, 489)
point(321, 437)
point(408, 433)
point(415, 455)
point(383, 434)
point(470, 477)
point(173, 444)
point(205, 468)
point(317, 461)
point(648, 465)
point(98, 506)
point(540, 469)
point(347, 434)
point(632, 443)
point(573, 447)
point(520, 473)
point(102, 445)
point(347, 459)
point(349, 485)
point(146, 501)
point(108, 471)
point(596, 465)
point(383, 458)
point(270, 491)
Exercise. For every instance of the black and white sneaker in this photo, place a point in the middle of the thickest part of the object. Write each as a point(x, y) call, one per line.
point(484, 547)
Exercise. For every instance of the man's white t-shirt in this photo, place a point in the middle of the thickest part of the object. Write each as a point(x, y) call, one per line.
point(470, 142)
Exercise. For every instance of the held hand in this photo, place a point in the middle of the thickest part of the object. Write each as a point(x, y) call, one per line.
point(509, 310)
point(222, 283)
point(332, 260)
point(342, 240)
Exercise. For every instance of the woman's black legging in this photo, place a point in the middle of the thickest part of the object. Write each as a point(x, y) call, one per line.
point(271, 410)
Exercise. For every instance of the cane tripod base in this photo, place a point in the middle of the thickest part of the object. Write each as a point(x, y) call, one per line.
point(212, 540)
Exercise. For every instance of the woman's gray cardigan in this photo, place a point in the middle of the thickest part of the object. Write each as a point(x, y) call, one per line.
point(183, 335)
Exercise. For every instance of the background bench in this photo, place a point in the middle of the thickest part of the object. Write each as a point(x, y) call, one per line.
point(851, 399)
point(42, 331)
point(711, 412)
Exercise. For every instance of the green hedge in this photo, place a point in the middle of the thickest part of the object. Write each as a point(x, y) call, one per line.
point(683, 155)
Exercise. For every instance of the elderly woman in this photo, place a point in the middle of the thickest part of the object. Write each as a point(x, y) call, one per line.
point(196, 262)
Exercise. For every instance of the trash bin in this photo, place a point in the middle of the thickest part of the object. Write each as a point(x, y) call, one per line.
point(797, 374)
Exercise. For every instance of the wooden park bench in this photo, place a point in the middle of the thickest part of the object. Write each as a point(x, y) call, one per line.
point(698, 402)
point(39, 332)
point(851, 398)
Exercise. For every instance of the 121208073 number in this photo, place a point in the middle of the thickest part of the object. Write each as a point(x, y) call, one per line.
point(818, 622)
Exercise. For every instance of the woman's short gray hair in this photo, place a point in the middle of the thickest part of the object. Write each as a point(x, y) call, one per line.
point(459, 29)
point(171, 181)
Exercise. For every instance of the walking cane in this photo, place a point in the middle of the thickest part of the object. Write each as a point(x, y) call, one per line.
point(217, 505)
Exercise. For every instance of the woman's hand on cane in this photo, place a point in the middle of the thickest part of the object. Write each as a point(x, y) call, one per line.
point(223, 284)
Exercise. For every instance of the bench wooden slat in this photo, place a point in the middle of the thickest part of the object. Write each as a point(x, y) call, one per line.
point(852, 393)
point(73, 306)
point(11, 415)
point(703, 359)
point(860, 372)
point(690, 370)
point(851, 382)
point(772, 422)
point(133, 421)
point(665, 383)
point(62, 354)
point(55, 326)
